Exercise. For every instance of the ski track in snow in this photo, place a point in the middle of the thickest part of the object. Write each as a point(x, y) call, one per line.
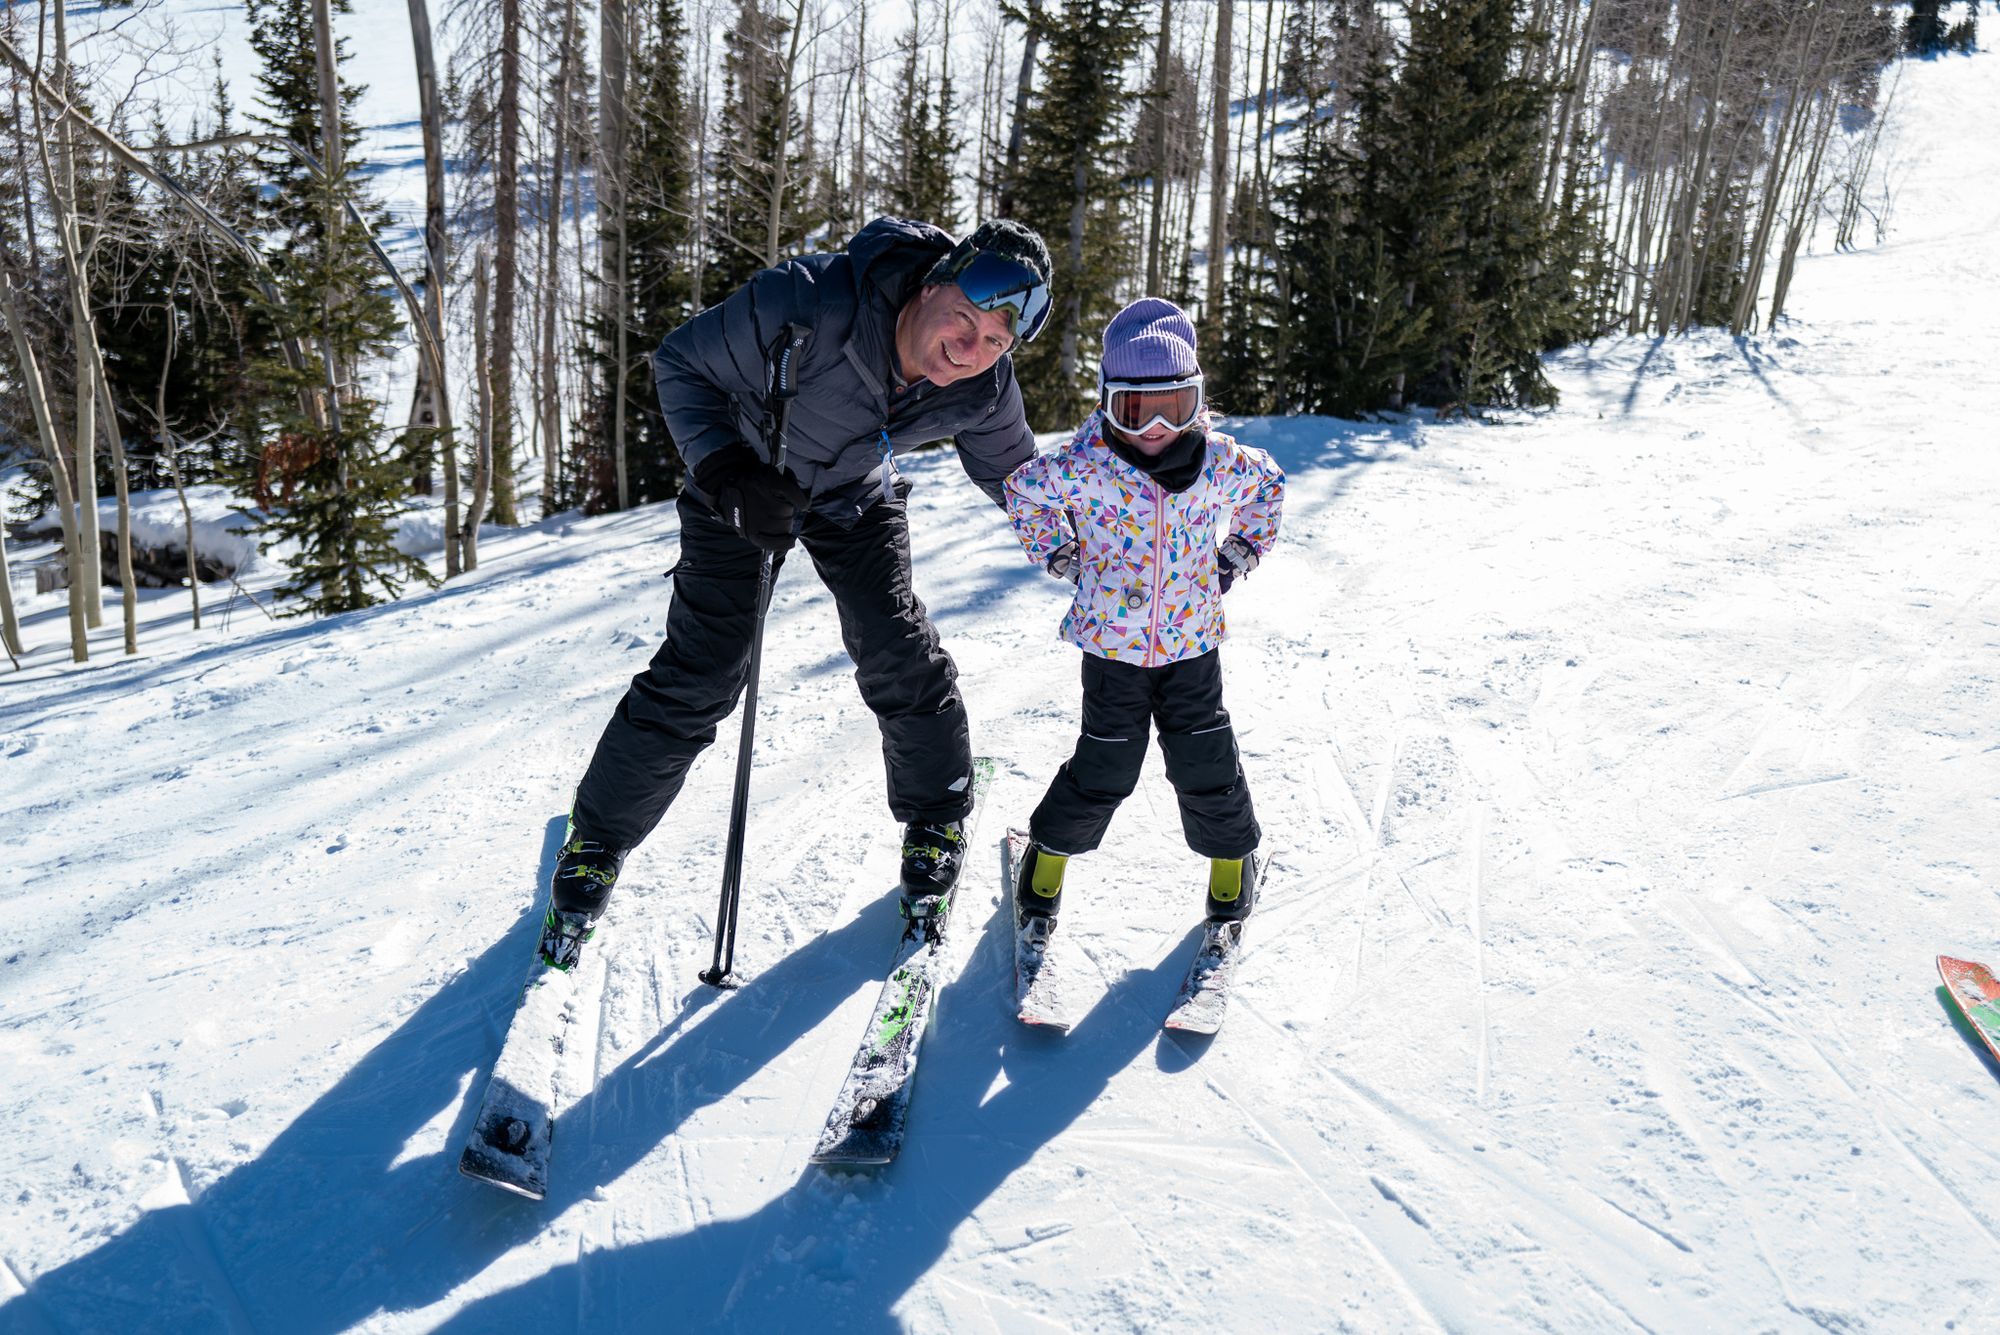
point(1623, 768)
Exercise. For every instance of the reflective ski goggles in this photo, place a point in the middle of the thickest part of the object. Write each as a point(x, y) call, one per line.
point(1137, 406)
point(993, 283)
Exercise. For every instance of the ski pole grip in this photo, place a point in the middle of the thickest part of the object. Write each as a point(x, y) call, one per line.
point(785, 355)
point(784, 377)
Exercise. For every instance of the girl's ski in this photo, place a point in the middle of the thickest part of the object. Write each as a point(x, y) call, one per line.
point(1038, 975)
point(1205, 990)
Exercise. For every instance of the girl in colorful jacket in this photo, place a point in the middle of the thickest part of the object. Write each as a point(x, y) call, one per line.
point(1152, 514)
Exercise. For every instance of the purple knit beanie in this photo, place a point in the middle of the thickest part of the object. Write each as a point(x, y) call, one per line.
point(1152, 339)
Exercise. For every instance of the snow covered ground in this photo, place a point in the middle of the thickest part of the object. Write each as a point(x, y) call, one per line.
point(1624, 769)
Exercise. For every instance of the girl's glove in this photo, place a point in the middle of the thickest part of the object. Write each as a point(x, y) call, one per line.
point(1234, 559)
point(1064, 562)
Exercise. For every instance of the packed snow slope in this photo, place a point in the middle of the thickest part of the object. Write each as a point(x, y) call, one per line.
point(1624, 768)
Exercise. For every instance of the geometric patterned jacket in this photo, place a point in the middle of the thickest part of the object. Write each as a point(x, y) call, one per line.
point(1146, 590)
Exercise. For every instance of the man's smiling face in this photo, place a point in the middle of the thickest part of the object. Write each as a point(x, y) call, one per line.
point(942, 337)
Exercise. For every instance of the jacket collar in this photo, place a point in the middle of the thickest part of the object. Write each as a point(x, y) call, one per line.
point(1177, 467)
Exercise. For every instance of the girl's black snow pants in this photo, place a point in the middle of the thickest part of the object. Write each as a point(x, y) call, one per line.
point(1121, 701)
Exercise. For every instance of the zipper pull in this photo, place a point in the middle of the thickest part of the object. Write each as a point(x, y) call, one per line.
point(888, 466)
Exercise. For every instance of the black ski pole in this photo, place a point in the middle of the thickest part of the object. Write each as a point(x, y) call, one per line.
point(783, 387)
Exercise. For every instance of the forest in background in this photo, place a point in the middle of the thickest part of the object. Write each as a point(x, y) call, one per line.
point(1368, 207)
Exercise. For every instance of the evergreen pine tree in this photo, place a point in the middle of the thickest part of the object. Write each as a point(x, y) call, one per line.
point(1240, 366)
point(348, 484)
point(924, 144)
point(1924, 31)
point(1470, 234)
point(1964, 34)
point(1381, 334)
point(1579, 259)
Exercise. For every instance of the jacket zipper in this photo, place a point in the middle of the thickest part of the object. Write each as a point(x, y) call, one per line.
point(1159, 525)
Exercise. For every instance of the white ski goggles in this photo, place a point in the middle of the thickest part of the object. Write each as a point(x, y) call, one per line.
point(1137, 406)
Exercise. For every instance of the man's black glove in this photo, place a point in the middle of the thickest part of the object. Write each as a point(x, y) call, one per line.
point(1064, 563)
point(760, 502)
point(1234, 559)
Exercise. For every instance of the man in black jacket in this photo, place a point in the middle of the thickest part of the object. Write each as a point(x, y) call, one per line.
point(908, 343)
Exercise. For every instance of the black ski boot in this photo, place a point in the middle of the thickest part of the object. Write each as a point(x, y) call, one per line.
point(932, 854)
point(1232, 888)
point(1038, 884)
point(585, 872)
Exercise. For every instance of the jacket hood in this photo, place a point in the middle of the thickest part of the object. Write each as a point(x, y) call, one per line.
point(893, 254)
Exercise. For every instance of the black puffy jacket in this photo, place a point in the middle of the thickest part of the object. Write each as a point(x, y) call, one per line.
point(712, 374)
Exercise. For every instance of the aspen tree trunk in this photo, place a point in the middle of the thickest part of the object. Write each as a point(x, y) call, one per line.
point(128, 591)
point(482, 467)
point(860, 174)
point(774, 220)
point(840, 191)
point(1161, 53)
point(333, 159)
point(989, 97)
point(430, 111)
point(61, 175)
point(1183, 265)
point(1218, 177)
point(165, 436)
point(612, 167)
point(506, 243)
point(622, 351)
point(53, 450)
point(11, 21)
point(10, 625)
point(1263, 103)
point(551, 405)
point(1073, 302)
point(1023, 88)
point(701, 162)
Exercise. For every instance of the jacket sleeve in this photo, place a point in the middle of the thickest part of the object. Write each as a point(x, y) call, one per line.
point(1256, 488)
point(1000, 442)
point(719, 360)
point(1035, 508)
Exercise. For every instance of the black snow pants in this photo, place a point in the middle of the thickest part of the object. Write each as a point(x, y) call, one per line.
point(1120, 701)
point(670, 713)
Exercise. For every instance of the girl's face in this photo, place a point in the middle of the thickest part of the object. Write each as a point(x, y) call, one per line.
point(1152, 441)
